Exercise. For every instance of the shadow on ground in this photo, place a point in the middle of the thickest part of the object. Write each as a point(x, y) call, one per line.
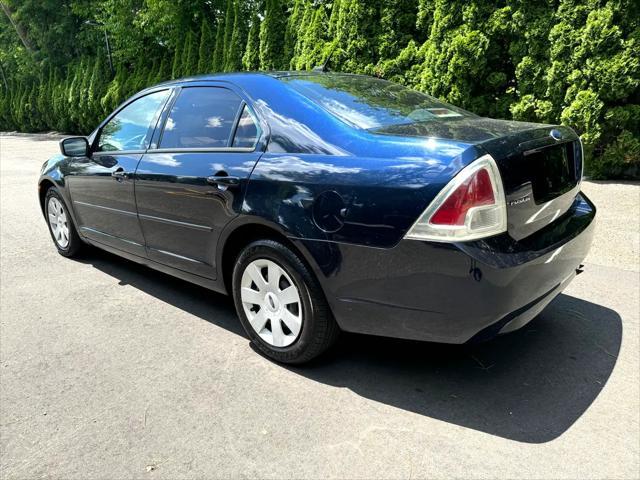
point(529, 386)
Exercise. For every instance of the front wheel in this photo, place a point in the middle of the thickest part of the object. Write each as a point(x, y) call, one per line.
point(63, 231)
point(280, 304)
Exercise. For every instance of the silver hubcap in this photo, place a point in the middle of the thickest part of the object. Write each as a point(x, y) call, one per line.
point(58, 222)
point(271, 302)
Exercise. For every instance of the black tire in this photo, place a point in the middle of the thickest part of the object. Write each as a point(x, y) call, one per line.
point(75, 243)
point(319, 329)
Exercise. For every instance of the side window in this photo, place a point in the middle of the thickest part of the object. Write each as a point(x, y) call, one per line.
point(202, 117)
point(247, 132)
point(131, 126)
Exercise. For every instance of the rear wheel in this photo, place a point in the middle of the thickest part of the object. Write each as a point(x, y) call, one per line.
point(63, 231)
point(280, 304)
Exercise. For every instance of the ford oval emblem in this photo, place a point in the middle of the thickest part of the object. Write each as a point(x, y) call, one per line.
point(555, 134)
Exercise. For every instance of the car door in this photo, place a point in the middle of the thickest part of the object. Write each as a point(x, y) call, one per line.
point(102, 184)
point(193, 184)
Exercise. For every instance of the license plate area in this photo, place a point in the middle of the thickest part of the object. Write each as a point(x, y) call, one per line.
point(553, 171)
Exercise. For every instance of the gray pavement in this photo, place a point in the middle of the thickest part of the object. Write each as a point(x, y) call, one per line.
point(111, 370)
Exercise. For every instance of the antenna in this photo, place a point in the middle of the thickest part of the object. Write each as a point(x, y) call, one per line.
point(325, 66)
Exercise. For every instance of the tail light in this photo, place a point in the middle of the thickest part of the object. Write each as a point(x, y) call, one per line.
point(469, 207)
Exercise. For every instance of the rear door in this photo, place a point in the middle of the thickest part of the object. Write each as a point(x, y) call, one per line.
point(192, 183)
point(102, 185)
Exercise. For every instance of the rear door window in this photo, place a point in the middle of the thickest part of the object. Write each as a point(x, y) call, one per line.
point(201, 117)
point(247, 132)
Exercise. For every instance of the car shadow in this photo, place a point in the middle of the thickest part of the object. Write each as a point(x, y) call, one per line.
point(529, 386)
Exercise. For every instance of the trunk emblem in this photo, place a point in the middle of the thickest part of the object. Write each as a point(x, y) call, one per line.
point(520, 200)
point(555, 134)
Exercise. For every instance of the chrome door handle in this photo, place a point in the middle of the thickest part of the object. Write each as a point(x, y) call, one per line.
point(223, 181)
point(119, 174)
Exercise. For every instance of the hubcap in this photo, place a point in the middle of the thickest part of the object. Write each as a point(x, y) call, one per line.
point(58, 222)
point(271, 302)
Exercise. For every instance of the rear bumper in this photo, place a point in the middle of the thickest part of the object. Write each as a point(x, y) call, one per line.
point(453, 293)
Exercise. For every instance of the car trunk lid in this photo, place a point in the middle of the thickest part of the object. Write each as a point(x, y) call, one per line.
point(540, 165)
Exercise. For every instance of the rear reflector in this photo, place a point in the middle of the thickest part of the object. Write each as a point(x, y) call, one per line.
point(469, 207)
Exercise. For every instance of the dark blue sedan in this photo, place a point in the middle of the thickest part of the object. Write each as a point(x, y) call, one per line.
point(326, 202)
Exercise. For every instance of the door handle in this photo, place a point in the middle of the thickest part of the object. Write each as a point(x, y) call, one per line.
point(223, 181)
point(119, 174)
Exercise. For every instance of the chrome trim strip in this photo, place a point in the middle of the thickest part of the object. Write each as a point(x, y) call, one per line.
point(101, 207)
point(93, 230)
point(195, 226)
point(175, 255)
point(203, 150)
point(111, 153)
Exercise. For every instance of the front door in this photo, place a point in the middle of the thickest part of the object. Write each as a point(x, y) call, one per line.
point(190, 187)
point(102, 185)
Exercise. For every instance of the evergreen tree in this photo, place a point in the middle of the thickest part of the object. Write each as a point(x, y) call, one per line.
point(97, 89)
point(206, 47)
point(114, 94)
point(357, 28)
point(251, 58)
point(293, 27)
point(190, 55)
point(229, 21)
point(218, 55)
point(176, 68)
point(164, 73)
point(305, 18)
point(272, 31)
point(238, 40)
point(314, 40)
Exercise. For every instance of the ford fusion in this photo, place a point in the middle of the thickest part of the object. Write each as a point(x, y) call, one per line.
point(327, 202)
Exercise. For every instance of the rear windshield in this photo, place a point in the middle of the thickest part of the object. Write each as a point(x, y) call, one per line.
point(370, 103)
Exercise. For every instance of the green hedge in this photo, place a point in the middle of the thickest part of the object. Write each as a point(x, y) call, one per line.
point(561, 61)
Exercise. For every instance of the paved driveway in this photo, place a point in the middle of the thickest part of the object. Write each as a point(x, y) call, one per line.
point(111, 370)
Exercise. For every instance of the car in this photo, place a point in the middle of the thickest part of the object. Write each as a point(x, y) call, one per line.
point(327, 202)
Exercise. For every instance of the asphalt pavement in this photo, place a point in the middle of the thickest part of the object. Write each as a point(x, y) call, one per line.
point(111, 370)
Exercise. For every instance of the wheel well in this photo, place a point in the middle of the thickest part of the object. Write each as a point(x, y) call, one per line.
point(243, 236)
point(44, 186)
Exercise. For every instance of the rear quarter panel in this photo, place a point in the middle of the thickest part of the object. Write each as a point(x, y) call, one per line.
point(369, 201)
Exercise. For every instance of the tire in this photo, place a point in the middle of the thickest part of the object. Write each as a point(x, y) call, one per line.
point(65, 238)
point(286, 340)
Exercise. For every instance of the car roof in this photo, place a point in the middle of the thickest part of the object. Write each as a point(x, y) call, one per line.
point(248, 75)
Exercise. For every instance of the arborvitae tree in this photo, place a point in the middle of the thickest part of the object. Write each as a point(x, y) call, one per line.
point(336, 10)
point(98, 88)
point(85, 99)
point(206, 47)
point(152, 73)
point(238, 40)
point(272, 30)
point(176, 68)
point(217, 65)
point(397, 26)
point(5, 120)
point(229, 21)
point(293, 27)
point(356, 30)
point(314, 40)
point(114, 95)
point(190, 55)
point(306, 18)
point(251, 58)
point(164, 73)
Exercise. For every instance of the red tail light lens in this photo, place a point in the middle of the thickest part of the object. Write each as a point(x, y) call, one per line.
point(469, 207)
point(476, 191)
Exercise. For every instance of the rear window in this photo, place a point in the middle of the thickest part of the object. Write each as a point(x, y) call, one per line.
point(370, 103)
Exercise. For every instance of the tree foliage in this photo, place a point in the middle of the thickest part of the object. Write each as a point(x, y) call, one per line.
point(569, 61)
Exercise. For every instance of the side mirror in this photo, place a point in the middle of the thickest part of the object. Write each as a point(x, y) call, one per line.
point(74, 147)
